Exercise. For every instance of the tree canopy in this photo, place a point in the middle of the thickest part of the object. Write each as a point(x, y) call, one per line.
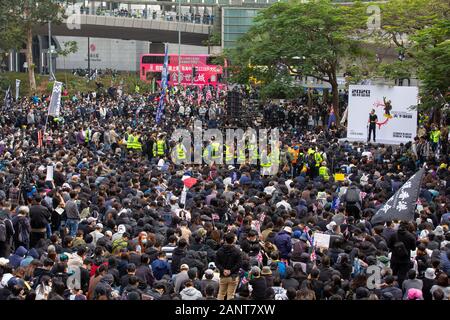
point(19, 18)
point(307, 39)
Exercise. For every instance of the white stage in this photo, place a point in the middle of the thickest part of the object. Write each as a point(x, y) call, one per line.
point(379, 141)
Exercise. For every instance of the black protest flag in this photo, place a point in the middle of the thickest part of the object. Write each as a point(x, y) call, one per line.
point(8, 99)
point(402, 204)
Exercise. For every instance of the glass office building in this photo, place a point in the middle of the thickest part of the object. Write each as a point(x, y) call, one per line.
point(235, 22)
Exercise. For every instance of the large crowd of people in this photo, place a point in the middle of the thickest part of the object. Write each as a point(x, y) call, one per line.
point(93, 206)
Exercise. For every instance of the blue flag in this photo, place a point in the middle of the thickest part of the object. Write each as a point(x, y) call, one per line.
point(160, 110)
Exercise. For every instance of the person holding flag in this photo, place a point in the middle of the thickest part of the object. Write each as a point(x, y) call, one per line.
point(160, 109)
point(8, 99)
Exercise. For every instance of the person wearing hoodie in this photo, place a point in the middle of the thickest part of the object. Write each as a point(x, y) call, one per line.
point(401, 246)
point(343, 266)
point(284, 243)
point(177, 254)
point(17, 257)
point(121, 229)
point(228, 261)
point(299, 245)
point(189, 292)
point(22, 228)
point(31, 255)
point(161, 267)
point(144, 272)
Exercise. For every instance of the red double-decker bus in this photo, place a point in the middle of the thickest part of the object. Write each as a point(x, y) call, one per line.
point(196, 69)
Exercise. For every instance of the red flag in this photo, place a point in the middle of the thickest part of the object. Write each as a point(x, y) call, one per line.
point(208, 95)
point(190, 182)
point(199, 99)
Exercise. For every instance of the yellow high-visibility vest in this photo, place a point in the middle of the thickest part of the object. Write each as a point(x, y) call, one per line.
point(180, 153)
point(253, 152)
point(136, 144)
point(275, 157)
point(323, 172)
point(130, 142)
point(318, 158)
point(435, 135)
point(228, 154)
point(159, 148)
point(215, 152)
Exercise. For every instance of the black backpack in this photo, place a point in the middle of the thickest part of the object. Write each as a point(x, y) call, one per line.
point(400, 249)
point(352, 195)
point(22, 231)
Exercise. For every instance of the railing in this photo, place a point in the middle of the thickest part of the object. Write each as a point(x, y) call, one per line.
point(218, 2)
point(206, 19)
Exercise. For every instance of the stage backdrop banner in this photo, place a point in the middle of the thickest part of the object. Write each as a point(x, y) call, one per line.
point(397, 121)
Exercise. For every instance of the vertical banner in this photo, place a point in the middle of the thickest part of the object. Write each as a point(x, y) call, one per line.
point(183, 195)
point(54, 108)
point(49, 173)
point(160, 110)
point(17, 89)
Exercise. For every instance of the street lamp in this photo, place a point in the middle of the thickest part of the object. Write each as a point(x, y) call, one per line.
point(50, 62)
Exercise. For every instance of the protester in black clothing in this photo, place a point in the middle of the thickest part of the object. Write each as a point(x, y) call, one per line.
point(373, 118)
point(258, 284)
point(401, 246)
point(228, 261)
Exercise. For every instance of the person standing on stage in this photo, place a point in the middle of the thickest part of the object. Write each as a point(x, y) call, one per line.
point(372, 125)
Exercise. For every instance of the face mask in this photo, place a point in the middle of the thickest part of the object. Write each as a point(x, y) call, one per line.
point(144, 241)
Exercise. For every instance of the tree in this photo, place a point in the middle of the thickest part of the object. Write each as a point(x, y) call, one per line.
point(432, 49)
point(27, 14)
point(309, 39)
point(69, 48)
point(402, 18)
point(420, 31)
point(11, 36)
point(214, 39)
